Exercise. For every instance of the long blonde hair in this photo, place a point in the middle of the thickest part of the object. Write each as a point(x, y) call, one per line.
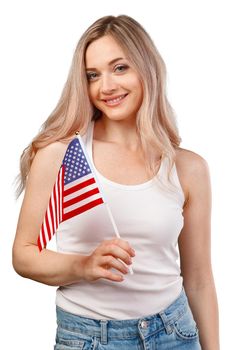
point(155, 120)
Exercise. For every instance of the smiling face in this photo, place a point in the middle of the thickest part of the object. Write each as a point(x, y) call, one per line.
point(114, 86)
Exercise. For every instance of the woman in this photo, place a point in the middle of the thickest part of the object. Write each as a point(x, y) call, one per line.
point(159, 195)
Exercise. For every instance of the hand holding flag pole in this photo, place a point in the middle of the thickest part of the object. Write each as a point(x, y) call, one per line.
point(116, 231)
point(76, 190)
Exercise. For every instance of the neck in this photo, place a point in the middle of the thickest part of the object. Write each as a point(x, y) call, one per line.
point(123, 133)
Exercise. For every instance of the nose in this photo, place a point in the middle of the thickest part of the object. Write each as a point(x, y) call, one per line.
point(108, 84)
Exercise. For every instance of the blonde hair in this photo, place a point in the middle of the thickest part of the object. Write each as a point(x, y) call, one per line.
point(156, 123)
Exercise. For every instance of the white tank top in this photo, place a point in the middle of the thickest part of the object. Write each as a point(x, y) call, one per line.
point(150, 219)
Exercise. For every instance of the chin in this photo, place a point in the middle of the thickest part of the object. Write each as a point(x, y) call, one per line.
point(115, 117)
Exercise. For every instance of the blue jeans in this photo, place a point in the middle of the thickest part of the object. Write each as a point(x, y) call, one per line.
point(171, 329)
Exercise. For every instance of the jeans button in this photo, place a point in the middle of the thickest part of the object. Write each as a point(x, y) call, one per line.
point(144, 324)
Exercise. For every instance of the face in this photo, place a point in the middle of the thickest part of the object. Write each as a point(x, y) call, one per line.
point(114, 86)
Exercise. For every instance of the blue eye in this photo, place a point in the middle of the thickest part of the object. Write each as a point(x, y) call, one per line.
point(121, 67)
point(91, 76)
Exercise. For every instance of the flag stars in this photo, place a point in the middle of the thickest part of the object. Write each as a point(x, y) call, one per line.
point(76, 165)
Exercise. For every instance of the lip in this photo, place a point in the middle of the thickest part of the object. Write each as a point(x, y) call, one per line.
point(112, 104)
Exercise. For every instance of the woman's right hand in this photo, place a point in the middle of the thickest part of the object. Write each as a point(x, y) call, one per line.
point(115, 253)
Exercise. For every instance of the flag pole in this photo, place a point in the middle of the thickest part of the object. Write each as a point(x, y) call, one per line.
point(116, 230)
point(107, 206)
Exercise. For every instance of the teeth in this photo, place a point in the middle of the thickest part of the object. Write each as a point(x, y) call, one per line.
point(115, 99)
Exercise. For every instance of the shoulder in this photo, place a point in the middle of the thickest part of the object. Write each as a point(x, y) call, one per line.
point(52, 153)
point(188, 160)
point(192, 169)
point(46, 164)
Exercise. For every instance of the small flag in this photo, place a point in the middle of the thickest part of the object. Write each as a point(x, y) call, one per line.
point(75, 191)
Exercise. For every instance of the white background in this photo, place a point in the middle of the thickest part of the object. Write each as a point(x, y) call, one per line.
point(37, 40)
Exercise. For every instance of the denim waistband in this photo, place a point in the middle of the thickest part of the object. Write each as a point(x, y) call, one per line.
point(124, 329)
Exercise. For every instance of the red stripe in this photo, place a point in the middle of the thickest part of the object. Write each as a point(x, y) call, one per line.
point(78, 187)
point(61, 195)
point(81, 197)
point(80, 210)
point(39, 243)
point(55, 207)
point(48, 226)
point(52, 217)
point(58, 199)
point(43, 236)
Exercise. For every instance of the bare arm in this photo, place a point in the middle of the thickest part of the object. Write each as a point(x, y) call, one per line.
point(194, 244)
point(47, 267)
point(51, 267)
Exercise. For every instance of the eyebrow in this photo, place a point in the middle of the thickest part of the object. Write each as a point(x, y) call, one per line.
point(110, 63)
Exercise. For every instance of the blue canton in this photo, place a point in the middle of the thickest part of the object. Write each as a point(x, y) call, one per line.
point(75, 162)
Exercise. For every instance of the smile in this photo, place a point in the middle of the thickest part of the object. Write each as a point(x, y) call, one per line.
point(115, 101)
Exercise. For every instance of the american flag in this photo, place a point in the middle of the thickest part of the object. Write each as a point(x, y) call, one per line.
point(75, 191)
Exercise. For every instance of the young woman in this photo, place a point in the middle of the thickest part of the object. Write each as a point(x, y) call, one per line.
point(159, 195)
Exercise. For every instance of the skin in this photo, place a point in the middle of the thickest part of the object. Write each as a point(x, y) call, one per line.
point(115, 141)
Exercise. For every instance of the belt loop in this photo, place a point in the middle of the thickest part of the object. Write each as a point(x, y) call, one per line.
point(165, 321)
point(103, 331)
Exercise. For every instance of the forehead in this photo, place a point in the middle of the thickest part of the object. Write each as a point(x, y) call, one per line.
point(103, 50)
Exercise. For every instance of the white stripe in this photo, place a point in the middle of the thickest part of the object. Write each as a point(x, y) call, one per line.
point(49, 219)
point(46, 234)
point(79, 192)
point(76, 182)
point(43, 243)
point(41, 240)
point(61, 195)
point(53, 210)
point(41, 235)
point(57, 200)
point(83, 202)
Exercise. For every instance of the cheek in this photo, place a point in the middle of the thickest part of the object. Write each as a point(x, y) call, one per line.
point(136, 85)
point(92, 93)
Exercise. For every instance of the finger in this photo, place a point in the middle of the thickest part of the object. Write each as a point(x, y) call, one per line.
point(111, 262)
point(116, 252)
point(124, 245)
point(109, 275)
